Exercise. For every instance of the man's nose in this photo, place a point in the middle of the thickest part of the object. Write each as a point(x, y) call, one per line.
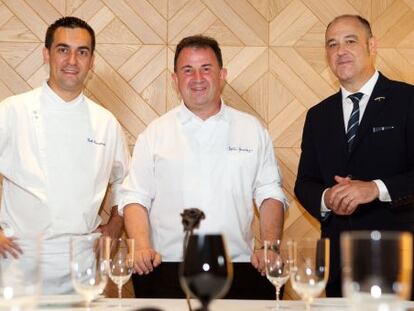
point(197, 75)
point(72, 57)
point(341, 48)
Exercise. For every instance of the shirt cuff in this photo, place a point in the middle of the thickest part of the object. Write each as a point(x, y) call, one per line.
point(324, 209)
point(384, 195)
point(132, 198)
point(270, 192)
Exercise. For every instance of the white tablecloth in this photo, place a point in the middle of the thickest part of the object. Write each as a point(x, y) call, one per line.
point(67, 303)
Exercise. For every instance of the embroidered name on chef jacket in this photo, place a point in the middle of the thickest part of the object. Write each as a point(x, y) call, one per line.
point(93, 141)
point(240, 149)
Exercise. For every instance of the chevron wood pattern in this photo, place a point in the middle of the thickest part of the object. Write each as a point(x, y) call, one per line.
point(273, 49)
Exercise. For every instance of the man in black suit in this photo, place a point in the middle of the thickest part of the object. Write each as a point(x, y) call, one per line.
point(356, 170)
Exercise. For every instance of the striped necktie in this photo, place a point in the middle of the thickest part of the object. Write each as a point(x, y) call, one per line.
point(353, 122)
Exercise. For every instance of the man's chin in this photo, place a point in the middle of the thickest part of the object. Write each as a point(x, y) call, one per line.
point(72, 85)
point(344, 75)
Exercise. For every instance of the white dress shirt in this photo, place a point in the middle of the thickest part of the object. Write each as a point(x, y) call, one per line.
point(347, 106)
point(218, 165)
point(57, 158)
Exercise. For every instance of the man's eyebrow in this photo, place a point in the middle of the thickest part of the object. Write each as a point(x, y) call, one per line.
point(190, 66)
point(84, 47)
point(65, 45)
point(351, 37)
point(346, 37)
point(186, 67)
point(330, 40)
point(62, 45)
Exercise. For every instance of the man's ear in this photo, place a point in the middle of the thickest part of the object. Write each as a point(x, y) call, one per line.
point(223, 73)
point(92, 64)
point(223, 76)
point(174, 79)
point(372, 45)
point(45, 53)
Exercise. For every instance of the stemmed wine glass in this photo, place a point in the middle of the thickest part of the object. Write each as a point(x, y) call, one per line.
point(206, 271)
point(309, 267)
point(121, 261)
point(89, 269)
point(276, 265)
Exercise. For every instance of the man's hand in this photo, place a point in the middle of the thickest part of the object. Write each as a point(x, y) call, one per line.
point(347, 194)
point(114, 226)
point(9, 246)
point(257, 260)
point(146, 260)
point(111, 230)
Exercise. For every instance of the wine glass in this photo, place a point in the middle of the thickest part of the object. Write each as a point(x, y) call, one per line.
point(206, 271)
point(276, 265)
point(89, 269)
point(376, 269)
point(20, 278)
point(121, 261)
point(309, 267)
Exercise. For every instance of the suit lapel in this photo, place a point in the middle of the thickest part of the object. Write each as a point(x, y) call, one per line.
point(376, 104)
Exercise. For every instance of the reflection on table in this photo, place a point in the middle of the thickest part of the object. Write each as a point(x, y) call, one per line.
point(57, 303)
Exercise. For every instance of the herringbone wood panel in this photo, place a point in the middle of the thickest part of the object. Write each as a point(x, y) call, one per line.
point(273, 50)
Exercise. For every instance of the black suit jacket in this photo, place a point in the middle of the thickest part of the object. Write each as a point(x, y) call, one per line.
point(383, 149)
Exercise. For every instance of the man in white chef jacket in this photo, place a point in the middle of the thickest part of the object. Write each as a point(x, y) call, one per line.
point(58, 152)
point(208, 155)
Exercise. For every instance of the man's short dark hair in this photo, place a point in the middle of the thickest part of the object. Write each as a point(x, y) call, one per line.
point(364, 22)
point(198, 41)
point(68, 22)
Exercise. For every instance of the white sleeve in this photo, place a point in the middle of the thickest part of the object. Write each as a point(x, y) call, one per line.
point(139, 186)
point(268, 183)
point(120, 166)
point(4, 135)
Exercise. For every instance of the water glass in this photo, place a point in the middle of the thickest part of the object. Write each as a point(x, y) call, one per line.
point(89, 269)
point(309, 267)
point(377, 269)
point(20, 278)
point(277, 265)
point(121, 260)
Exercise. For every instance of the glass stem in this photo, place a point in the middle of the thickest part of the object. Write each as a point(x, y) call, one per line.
point(277, 296)
point(88, 305)
point(119, 291)
point(308, 304)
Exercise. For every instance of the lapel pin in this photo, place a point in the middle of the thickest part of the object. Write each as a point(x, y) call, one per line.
point(379, 98)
